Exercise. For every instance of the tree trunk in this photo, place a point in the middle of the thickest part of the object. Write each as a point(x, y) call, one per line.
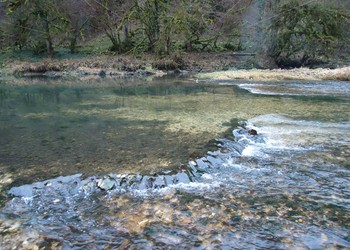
point(126, 34)
point(49, 45)
point(114, 39)
point(73, 44)
point(153, 28)
point(75, 33)
point(49, 48)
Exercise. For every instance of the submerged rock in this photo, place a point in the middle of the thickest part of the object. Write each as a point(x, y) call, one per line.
point(102, 73)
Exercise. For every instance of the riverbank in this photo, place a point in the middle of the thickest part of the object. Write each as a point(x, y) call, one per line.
point(218, 66)
point(125, 65)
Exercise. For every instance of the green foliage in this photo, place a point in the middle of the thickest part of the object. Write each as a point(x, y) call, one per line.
point(195, 22)
point(149, 15)
point(34, 24)
point(165, 26)
point(15, 32)
point(306, 33)
point(158, 26)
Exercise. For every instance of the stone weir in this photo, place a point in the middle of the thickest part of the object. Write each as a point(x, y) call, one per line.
point(121, 183)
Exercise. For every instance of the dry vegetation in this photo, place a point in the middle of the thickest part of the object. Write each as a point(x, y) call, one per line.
point(195, 62)
point(340, 74)
point(213, 66)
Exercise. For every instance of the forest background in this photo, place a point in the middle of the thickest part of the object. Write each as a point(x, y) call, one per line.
point(166, 33)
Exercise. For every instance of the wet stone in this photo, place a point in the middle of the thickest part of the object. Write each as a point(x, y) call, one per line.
point(192, 172)
point(88, 185)
point(252, 132)
point(107, 183)
point(182, 178)
point(159, 182)
point(133, 180)
point(146, 183)
point(169, 180)
point(202, 165)
point(214, 161)
point(124, 180)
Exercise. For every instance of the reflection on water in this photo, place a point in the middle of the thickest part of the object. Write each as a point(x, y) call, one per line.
point(286, 188)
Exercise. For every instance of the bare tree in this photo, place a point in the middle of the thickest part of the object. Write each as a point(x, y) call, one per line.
point(112, 17)
point(77, 15)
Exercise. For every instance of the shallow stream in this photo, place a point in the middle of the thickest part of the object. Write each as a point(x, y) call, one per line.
point(168, 163)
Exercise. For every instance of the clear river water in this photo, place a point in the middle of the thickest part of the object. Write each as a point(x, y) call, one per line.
point(171, 163)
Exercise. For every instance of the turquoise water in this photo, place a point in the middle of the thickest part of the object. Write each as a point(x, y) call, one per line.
point(140, 173)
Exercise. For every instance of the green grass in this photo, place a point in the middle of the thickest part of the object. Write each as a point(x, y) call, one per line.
point(97, 46)
point(22, 55)
point(28, 56)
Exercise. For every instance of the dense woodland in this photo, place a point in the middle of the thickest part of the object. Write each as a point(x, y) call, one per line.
point(292, 32)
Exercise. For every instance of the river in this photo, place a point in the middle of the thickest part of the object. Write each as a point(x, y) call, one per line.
point(171, 163)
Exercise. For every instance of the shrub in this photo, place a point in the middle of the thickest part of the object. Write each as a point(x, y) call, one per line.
point(302, 34)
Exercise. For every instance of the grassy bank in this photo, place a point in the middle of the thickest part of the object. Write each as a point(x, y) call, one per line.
point(340, 74)
point(114, 65)
point(219, 66)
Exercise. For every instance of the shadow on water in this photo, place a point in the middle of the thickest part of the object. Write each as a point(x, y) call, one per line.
point(49, 129)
